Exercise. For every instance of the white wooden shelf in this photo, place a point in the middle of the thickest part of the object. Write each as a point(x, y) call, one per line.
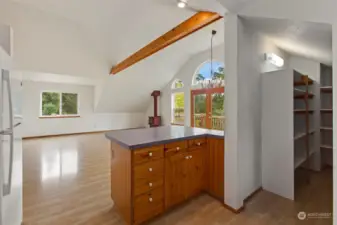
point(326, 89)
point(302, 134)
point(303, 111)
point(326, 128)
point(326, 110)
point(301, 94)
point(328, 147)
point(299, 159)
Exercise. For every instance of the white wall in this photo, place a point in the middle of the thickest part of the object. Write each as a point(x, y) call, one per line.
point(244, 51)
point(305, 66)
point(334, 107)
point(47, 43)
point(6, 38)
point(322, 11)
point(88, 121)
point(277, 135)
point(232, 183)
point(185, 74)
point(315, 11)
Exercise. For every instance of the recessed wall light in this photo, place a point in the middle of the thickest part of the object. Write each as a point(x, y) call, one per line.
point(181, 4)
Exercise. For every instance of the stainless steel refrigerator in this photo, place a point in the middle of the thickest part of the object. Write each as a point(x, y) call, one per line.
point(10, 148)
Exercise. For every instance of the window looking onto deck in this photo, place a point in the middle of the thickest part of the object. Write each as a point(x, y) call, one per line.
point(178, 111)
point(177, 103)
point(210, 75)
point(208, 98)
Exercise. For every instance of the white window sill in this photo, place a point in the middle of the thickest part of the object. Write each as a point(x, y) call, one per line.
point(59, 117)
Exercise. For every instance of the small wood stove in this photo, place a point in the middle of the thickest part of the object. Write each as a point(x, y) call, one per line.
point(155, 120)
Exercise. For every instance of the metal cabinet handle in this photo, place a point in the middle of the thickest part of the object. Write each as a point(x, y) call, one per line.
point(150, 154)
point(198, 143)
point(150, 184)
point(150, 199)
point(190, 157)
point(178, 148)
point(187, 157)
point(150, 169)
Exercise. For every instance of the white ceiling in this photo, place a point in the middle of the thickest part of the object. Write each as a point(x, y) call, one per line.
point(130, 89)
point(121, 27)
point(235, 5)
point(118, 28)
point(306, 39)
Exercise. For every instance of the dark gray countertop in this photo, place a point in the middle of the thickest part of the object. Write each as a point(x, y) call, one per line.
point(145, 137)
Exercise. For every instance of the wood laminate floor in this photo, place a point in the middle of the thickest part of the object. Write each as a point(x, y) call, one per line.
point(66, 182)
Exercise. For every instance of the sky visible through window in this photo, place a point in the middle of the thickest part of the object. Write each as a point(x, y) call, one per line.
point(205, 70)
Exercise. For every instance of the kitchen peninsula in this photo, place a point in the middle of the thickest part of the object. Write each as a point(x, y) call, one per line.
point(154, 169)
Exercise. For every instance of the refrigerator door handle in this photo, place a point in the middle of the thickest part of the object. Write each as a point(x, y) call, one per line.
point(8, 186)
point(17, 124)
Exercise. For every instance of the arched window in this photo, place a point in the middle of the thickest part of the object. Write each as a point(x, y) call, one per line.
point(177, 103)
point(177, 84)
point(207, 96)
point(210, 75)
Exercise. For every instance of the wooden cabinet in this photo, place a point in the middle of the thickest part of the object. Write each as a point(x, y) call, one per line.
point(146, 182)
point(148, 205)
point(148, 154)
point(198, 142)
point(148, 176)
point(194, 170)
point(184, 176)
point(215, 173)
point(175, 175)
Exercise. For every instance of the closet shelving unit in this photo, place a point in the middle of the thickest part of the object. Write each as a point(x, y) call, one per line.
point(326, 115)
point(290, 127)
point(302, 122)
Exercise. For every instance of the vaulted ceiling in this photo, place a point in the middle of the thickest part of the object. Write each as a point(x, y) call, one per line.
point(106, 32)
point(55, 34)
point(305, 39)
point(118, 28)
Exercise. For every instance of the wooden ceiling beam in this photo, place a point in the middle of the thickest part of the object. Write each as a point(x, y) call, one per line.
point(189, 26)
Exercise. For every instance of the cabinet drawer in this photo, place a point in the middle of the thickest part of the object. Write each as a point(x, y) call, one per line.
point(150, 170)
point(197, 142)
point(148, 154)
point(148, 205)
point(175, 147)
point(144, 185)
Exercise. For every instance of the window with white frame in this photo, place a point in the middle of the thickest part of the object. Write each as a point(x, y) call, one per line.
point(177, 84)
point(177, 103)
point(178, 111)
point(55, 104)
point(210, 75)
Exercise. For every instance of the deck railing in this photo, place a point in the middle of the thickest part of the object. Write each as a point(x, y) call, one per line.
point(200, 120)
point(217, 123)
point(179, 116)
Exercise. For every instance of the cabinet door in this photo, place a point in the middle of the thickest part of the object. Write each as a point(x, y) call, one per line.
point(175, 174)
point(194, 182)
point(216, 167)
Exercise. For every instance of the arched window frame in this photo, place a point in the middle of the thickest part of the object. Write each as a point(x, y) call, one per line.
point(207, 119)
point(194, 83)
point(173, 86)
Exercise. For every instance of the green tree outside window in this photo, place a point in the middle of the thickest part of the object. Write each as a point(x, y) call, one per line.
point(55, 104)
